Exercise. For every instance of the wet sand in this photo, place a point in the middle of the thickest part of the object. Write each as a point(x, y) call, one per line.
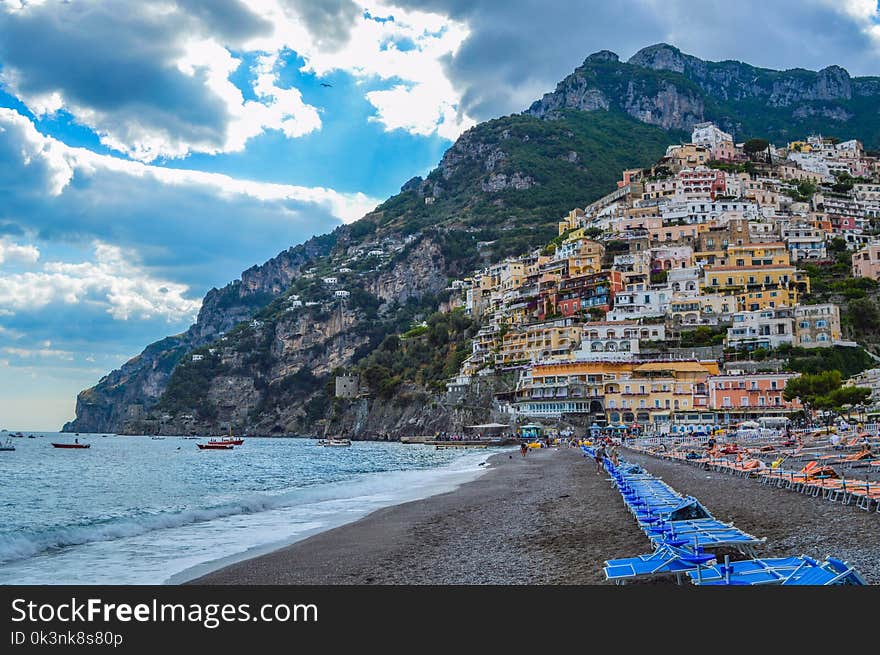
point(548, 519)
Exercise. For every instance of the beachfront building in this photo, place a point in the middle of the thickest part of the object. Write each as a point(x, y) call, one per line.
point(655, 392)
point(866, 262)
point(553, 389)
point(737, 396)
point(816, 326)
point(766, 328)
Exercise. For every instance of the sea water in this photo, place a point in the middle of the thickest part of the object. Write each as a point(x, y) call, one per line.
point(136, 510)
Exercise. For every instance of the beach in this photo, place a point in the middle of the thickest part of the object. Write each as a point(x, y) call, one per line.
point(548, 519)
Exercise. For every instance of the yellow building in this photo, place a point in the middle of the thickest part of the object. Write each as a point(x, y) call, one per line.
point(526, 343)
point(571, 221)
point(655, 391)
point(616, 391)
point(757, 287)
point(758, 254)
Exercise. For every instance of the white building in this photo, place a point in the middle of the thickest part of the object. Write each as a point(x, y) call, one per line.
point(330, 280)
point(629, 305)
point(763, 328)
point(342, 293)
point(804, 241)
point(717, 141)
point(816, 326)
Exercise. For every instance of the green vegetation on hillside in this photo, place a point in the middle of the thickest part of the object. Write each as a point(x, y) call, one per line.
point(428, 356)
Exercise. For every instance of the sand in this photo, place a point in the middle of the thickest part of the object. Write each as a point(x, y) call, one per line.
point(549, 519)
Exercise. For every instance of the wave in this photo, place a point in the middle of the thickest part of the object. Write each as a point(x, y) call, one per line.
point(18, 546)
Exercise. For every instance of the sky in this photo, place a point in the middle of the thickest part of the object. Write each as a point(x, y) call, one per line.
point(152, 151)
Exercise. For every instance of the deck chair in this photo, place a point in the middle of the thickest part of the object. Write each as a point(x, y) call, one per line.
point(830, 572)
point(663, 561)
point(748, 572)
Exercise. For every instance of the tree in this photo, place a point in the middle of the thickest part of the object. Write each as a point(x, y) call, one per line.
point(864, 314)
point(824, 391)
point(753, 146)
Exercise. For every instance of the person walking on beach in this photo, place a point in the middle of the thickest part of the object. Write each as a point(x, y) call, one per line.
point(600, 457)
point(523, 449)
point(613, 453)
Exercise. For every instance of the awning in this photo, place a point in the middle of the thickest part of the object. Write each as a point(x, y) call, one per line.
point(485, 426)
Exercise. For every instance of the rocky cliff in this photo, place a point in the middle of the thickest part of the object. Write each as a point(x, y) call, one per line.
point(662, 86)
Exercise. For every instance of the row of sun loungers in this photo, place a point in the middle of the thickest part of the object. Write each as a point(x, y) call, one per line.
point(683, 534)
point(817, 478)
point(785, 571)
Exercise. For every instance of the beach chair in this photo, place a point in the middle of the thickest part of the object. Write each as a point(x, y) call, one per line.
point(830, 572)
point(665, 560)
point(748, 572)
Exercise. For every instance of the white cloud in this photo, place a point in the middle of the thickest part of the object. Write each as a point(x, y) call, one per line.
point(64, 162)
point(153, 80)
point(14, 252)
point(114, 280)
point(42, 353)
point(422, 99)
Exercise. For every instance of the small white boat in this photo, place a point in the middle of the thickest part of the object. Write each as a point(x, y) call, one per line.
point(8, 445)
point(334, 443)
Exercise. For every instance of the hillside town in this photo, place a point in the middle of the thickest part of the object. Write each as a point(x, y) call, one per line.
point(715, 239)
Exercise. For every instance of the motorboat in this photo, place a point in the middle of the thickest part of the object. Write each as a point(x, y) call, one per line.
point(8, 445)
point(215, 446)
point(235, 441)
point(334, 442)
point(71, 445)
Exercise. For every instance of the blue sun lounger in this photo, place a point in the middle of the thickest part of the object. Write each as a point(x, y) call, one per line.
point(666, 560)
point(830, 572)
point(748, 572)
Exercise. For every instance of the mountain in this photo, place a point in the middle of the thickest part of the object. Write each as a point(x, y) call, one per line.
point(257, 361)
point(662, 86)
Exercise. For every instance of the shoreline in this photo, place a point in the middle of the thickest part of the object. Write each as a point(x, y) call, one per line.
point(525, 521)
point(445, 479)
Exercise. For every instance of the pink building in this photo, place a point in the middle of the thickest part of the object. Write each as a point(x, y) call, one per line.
point(752, 393)
point(866, 262)
point(700, 182)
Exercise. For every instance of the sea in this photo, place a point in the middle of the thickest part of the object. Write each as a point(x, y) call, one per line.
point(141, 510)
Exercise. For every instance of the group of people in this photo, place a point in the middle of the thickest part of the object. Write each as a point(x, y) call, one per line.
point(606, 448)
